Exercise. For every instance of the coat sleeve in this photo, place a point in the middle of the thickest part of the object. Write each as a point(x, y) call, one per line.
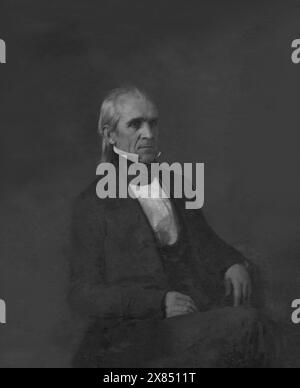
point(217, 255)
point(90, 295)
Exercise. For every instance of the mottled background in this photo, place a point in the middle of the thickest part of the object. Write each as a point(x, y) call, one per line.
point(222, 75)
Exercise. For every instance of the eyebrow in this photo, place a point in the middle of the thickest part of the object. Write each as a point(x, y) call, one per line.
point(135, 119)
point(131, 121)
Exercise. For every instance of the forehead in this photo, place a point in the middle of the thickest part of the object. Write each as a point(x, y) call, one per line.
point(132, 106)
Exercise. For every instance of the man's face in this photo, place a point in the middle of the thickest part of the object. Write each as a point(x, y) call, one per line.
point(137, 129)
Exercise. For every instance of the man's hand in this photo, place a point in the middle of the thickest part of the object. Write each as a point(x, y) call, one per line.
point(238, 280)
point(179, 304)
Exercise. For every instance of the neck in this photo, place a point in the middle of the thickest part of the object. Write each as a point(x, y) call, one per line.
point(122, 163)
point(132, 157)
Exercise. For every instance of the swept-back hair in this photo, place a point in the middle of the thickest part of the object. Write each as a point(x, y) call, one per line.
point(109, 116)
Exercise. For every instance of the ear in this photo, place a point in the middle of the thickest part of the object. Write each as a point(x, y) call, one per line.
point(109, 136)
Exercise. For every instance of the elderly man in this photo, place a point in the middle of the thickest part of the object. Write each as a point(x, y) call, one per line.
point(151, 276)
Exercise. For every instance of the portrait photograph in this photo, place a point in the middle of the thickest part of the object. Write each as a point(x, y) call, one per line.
point(150, 191)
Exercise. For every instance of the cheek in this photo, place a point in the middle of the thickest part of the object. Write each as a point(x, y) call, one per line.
point(128, 142)
point(124, 137)
point(133, 139)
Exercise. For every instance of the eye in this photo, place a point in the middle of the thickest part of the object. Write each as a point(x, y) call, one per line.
point(153, 123)
point(136, 123)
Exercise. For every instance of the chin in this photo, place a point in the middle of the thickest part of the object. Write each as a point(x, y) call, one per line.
point(147, 157)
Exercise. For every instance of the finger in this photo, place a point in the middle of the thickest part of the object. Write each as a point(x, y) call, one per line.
point(182, 308)
point(193, 306)
point(227, 287)
point(175, 312)
point(187, 299)
point(245, 296)
point(247, 290)
point(237, 294)
point(250, 292)
point(178, 309)
point(183, 297)
point(188, 304)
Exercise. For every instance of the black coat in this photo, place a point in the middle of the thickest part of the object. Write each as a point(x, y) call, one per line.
point(117, 270)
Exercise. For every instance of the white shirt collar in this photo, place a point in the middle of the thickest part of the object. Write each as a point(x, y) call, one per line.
point(128, 155)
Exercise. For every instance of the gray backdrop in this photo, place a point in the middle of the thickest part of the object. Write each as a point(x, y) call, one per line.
point(228, 93)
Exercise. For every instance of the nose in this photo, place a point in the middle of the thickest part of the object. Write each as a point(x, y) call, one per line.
point(147, 132)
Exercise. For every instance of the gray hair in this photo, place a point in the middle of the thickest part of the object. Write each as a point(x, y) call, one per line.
point(109, 116)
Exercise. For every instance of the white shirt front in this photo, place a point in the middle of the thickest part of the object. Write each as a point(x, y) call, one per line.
point(156, 206)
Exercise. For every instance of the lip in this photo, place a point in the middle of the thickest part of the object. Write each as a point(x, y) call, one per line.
point(148, 146)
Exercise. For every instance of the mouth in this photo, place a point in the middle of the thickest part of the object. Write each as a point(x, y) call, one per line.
point(150, 147)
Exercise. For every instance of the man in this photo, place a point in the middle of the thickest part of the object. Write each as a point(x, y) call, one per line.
point(150, 275)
